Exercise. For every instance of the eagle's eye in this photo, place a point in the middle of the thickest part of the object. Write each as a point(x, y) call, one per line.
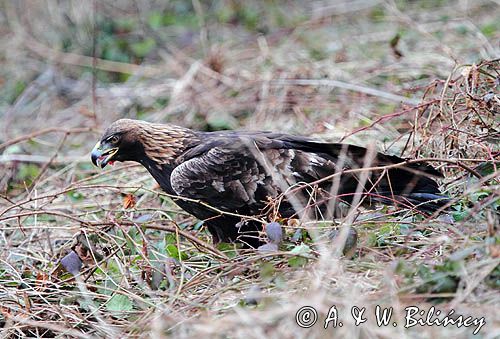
point(113, 139)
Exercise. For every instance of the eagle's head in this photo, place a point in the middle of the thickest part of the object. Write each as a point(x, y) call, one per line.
point(140, 141)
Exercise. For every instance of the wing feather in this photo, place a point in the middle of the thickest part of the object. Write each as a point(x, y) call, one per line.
point(224, 177)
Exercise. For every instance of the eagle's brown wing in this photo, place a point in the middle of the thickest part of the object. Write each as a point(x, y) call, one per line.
point(233, 174)
point(239, 172)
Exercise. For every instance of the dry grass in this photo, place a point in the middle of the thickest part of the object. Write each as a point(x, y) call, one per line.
point(407, 77)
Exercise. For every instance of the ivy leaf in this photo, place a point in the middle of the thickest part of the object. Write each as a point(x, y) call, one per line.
point(301, 251)
point(27, 172)
point(119, 303)
point(297, 262)
point(174, 252)
point(155, 20)
point(459, 216)
point(143, 48)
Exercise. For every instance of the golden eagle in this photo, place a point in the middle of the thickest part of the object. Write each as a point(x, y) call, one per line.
point(227, 174)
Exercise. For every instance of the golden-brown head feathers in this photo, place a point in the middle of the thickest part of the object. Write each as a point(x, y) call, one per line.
point(136, 140)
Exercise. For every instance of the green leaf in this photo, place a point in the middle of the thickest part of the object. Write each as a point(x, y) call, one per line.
point(385, 230)
point(445, 285)
point(228, 249)
point(219, 123)
point(297, 261)
point(493, 279)
point(86, 304)
point(143, 48)
point(134, 236)
point(477, 196)
point(119, 303)
point(123, 25)
point(76, 196)
point(12, 149)
point(490, 29)
point(170, 239)
point(115, 53)
point(462, 254)
point(13, 91)
point(301, 251)
point(267, 271)
point(371, 239)
point(155, 20)
point(28, 172)
point(458, 216)
point(174, 252)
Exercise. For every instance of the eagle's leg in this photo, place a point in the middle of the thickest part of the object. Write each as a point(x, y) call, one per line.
point(234, 230)
point(217, 233)
point(249, 233)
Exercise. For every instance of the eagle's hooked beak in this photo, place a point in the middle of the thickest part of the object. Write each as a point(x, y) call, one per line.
point(102, 154)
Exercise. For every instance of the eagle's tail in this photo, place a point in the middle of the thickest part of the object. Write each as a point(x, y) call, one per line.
point(410, 184)
point(423, 202)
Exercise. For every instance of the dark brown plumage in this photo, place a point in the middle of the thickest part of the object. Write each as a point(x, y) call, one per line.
point(247, 173)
